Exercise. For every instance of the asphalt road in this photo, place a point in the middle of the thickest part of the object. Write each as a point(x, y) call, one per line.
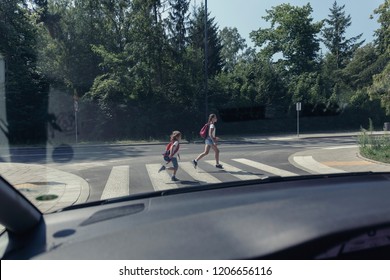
point(113, 170)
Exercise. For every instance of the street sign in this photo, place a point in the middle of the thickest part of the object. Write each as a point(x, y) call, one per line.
point(299, 106)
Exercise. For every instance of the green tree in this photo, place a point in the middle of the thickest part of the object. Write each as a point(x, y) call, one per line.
point(66, 55)
point(26, 88)
point(380, 88)
point(293, 35)
point(129, 60)
point(334, 87)
point(180, 89)
point(337, 84)
point(214, 45)
point(147, 44)
point(382, 34)
point(334, 36)
point(232, 44)
point(178, 25)
point(359, 72)
point(138, 76)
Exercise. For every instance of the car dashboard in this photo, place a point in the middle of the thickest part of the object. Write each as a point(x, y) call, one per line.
point(339, 216)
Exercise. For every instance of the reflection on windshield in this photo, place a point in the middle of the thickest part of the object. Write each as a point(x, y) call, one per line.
point(3, 115)
point(86, 87)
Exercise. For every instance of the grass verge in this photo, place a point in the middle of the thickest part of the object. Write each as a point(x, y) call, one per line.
point(375, 147)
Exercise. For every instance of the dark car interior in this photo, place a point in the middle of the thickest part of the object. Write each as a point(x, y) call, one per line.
point(339, 216)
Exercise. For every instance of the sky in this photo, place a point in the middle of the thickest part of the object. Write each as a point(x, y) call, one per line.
point(246, 15)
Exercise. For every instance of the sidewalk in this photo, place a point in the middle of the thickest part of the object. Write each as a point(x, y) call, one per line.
point(47, 188)
point(339, 159)
point(51, 189)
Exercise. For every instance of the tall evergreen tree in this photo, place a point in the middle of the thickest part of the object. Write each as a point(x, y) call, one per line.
point(382, 34)
point(178, 25)
point(180, 89)
point(214, 45)
point(334, 36)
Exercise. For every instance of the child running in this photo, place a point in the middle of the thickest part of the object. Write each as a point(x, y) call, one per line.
point(174, 146)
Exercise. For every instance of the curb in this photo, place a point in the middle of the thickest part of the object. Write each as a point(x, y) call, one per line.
point(59, 188)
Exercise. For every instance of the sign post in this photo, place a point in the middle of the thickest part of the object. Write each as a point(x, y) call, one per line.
point(299, 108)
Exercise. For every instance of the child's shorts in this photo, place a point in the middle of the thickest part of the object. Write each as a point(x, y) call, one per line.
point(174, 162)
point(209, 141)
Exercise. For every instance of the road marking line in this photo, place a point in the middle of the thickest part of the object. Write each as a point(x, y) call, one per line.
point(160, 181)
point(117, 183)
point(266, 168)
point(236, 172)
point(315, 167)
point(347, 163)
point(342, 147)
point(198, 174)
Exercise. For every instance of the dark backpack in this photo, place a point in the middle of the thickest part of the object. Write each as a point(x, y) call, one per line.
point(168, 151)
point(204, 131)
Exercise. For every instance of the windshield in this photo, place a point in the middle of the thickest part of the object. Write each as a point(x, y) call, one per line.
point(105, 99)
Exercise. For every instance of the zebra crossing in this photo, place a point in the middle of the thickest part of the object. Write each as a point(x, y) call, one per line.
point(198, 174)
point(160, 181)
point(265, 167)
point(236, 172)
point(119, 181)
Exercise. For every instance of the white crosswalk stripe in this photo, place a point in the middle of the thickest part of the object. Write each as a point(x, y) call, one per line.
point(264, 167)
point(117, 183)
point(198, 174)
point(236, 172)
point(160, 181)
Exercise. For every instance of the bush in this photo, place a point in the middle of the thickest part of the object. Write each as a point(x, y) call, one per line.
point(375, 147)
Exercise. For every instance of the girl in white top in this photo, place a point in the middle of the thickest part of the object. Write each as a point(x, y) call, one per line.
point(211, 141)
point(175, 139)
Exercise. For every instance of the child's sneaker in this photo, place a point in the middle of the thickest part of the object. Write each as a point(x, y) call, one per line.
point(161, 168)
point(174, 178)
point(195, 163)
point(219, 166)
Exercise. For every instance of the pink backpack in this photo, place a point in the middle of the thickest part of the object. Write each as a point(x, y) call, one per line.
point(204, 131)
